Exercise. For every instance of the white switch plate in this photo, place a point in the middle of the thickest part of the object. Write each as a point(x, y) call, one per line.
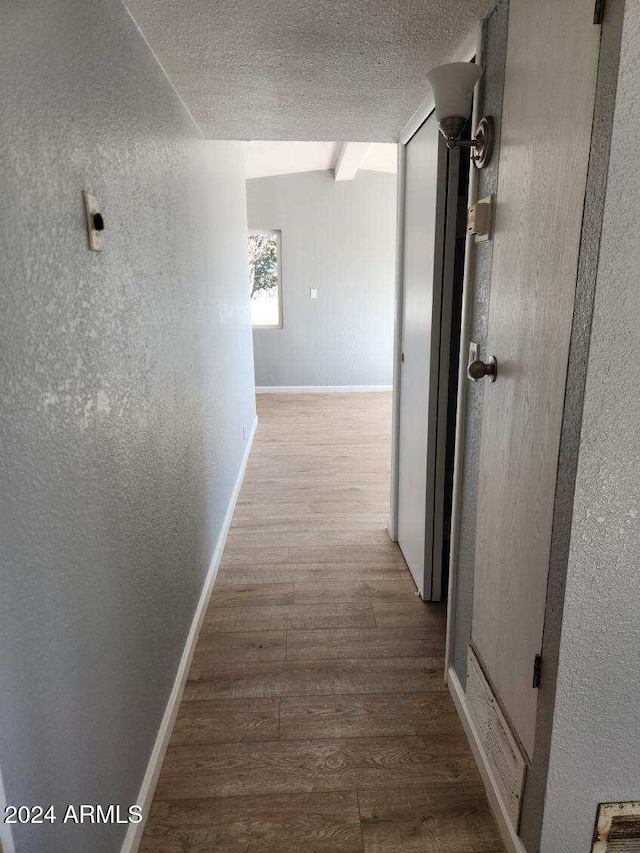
point(92, 206)
point(313, 293)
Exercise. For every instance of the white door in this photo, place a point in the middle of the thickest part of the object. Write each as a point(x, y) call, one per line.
point(424, 264)
point(550, 77)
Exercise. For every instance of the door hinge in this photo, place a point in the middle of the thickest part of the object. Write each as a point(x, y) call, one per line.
point(598, 12)
point(537, 671)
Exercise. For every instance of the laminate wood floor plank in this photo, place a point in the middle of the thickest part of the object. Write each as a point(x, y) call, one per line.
point(249, 556)
point(252, 595)
point(377, 715)
point(227, 720)
point(311, 573)
point(310, 766)
point(414, 641)
point(416, 612)
point(274, 617)
point(315, 478)
point(315, 715)
point(243, 523)
point(344, 553)
point(270, 470)
point(212, 678)
point(324, 490)
point(239, 646)
point(313, 509)
point(451, 819)
point(285, 823)
point(375, 590)
point(239, 537)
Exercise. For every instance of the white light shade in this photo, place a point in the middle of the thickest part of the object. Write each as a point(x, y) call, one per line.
point(452, 86)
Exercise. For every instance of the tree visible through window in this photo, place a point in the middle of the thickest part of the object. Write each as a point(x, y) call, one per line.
point(264, 279)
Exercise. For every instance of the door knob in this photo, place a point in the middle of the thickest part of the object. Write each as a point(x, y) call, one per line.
point(479, 369)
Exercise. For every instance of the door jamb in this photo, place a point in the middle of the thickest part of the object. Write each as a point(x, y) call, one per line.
point(6, 834)
point(461, 406)
point(392, 526)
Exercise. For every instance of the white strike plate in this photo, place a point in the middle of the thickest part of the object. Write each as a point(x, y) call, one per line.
point(480, 219)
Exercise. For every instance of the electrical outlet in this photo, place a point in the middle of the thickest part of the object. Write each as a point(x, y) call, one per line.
point(313, 293)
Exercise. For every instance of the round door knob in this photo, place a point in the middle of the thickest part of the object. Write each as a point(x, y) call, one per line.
point(479, 369)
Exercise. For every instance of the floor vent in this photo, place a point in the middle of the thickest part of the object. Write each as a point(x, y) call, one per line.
point(504, 756)
point(617, 828)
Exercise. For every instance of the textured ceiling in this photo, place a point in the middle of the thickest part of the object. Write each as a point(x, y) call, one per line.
point(262, 159)
point(304, 69)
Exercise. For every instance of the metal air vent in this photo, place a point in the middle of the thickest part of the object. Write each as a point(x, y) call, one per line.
point(617, 828)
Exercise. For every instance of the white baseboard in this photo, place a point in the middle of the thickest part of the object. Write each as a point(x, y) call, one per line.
point(135, 831)
point(509, 835)
point(320, 389)
point(6, 836)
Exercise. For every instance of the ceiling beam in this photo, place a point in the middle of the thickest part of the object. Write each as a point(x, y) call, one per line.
point(349, 159)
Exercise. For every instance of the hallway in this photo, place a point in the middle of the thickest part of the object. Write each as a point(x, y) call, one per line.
point(315, 717)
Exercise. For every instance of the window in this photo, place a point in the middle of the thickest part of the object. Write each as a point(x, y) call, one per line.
point(265, 279)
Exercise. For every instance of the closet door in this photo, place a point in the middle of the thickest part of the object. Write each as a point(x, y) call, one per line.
point(426, 169)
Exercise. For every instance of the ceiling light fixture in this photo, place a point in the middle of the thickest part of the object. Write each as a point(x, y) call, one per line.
point(452, 86)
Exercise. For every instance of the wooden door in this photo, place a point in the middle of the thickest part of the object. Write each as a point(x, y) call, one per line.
point(425, 335)
point(550, 77)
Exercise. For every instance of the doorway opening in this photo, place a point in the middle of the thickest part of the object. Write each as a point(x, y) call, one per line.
point(321, 222)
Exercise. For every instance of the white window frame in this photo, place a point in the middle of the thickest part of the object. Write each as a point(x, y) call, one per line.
point(278, 235)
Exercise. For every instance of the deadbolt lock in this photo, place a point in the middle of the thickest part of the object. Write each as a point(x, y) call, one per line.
point(479, 369)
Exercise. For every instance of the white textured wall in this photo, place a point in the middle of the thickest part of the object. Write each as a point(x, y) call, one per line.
point(125, 380)
point(337, 236)
point(595, 749)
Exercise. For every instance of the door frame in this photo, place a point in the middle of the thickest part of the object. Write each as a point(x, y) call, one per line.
point(472, 47)
point(6, 833)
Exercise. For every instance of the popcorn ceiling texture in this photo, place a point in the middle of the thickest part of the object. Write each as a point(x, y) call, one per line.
point(304, 69)
point(126, 378)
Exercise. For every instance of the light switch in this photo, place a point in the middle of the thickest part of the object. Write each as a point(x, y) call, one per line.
point(95, 222)
point(313, 293)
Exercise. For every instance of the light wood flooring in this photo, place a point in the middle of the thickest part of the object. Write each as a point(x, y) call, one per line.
point(315, 718)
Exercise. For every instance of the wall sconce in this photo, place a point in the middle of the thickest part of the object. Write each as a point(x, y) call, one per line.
point(452, 86)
